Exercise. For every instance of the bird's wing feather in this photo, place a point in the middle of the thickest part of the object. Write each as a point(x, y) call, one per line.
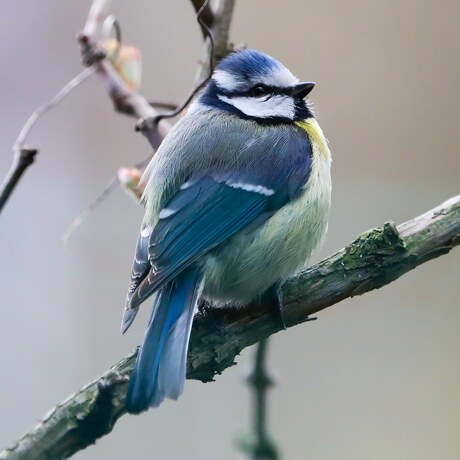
point(211, 207)
point(196, 220)
point(140, 269)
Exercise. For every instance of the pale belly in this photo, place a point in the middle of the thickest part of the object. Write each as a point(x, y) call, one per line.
point(249, 264)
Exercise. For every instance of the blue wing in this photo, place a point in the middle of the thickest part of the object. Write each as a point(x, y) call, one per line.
point(199, 218)
point(141, 268)
point(209, 209)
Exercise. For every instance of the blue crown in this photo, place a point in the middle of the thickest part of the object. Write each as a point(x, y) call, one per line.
point(249, 63)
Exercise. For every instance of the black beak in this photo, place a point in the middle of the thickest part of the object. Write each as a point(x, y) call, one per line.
point(301, 90)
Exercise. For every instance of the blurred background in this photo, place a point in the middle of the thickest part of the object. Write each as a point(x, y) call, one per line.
point(376, 376)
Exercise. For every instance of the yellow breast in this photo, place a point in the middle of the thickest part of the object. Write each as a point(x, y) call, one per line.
point(317, 139)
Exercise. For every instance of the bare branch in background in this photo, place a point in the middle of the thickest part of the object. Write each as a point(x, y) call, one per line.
point(96, 17)
point(24, 156)
point(376, 258)
point(164, 105)
point(206, 15)
point(23, 159)
point(124, 99)
point(198, 84)
point(212, 28)
point(215, 25)
point(217, 47)
point(109, 188)
point(78, 80)
point(119, 179)
point(259, 445)
point(215, 28)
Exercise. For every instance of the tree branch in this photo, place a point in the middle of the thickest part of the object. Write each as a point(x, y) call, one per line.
point(207, 16)
point(215, 32)
point(24, 156)
point(374, 259)
point(124, 99)
point(217, 47)
point(23, 159)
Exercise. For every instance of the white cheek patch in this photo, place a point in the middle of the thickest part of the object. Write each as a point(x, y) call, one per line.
point(281, 77)
point(276, 106)
point(227, 81)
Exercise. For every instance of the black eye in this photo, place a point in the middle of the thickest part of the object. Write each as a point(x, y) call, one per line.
point(258, 90)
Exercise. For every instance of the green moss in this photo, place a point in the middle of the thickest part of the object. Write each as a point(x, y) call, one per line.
point(373, 246)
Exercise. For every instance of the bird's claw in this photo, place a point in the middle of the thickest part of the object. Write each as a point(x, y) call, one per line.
point(207, 312)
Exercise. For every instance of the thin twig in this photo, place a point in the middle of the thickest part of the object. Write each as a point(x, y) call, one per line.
point(96, 17)
point(133, 104)
point(108, 189)
point(206, 15)
point(78, 80)
point(24, 156)
point(100, 198)
point(111, 24)
point(374, 259)
point(124, 100)
point(216, 47)
point(164, 105)
point(22, 161)
point(200, 84)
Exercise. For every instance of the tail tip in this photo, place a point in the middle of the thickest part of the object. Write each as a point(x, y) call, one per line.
point(128, 317)
point(137, 403)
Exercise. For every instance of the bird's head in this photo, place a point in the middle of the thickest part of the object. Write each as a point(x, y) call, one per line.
point(255, 86)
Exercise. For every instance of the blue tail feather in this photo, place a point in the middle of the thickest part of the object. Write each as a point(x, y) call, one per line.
point(161, 361)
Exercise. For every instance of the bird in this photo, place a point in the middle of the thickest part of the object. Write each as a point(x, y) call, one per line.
point(237, 198)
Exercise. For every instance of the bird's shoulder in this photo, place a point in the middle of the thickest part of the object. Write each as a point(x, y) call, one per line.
point(216, 138)
point(212, 142)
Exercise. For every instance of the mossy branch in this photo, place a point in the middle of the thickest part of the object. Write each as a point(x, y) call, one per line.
point(372, 260)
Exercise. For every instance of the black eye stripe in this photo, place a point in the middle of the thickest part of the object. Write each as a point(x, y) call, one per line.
point(258, 90)
point(264, 90)
point(268, 90)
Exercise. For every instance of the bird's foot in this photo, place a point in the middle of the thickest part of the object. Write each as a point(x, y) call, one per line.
point(208, 312)
point(273, 296)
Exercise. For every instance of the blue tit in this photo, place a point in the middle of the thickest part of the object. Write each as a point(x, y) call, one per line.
point(237, 198)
